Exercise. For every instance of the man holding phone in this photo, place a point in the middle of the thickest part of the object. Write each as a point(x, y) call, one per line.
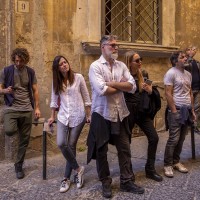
point(18, 84)
point(143, 107)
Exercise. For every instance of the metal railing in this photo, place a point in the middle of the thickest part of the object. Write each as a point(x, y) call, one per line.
point(44, 122)
point(44, 144)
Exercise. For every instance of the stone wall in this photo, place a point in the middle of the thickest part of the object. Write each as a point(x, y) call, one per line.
point(50, 28)
point(4, 20)
point(187, 23)
point(2, 33)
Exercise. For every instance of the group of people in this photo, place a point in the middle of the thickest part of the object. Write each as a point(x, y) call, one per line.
point(122, 96)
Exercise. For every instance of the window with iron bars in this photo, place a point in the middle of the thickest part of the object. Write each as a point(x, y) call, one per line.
point(136, 21)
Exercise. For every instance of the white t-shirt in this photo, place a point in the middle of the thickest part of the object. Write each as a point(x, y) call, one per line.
point(181, 82)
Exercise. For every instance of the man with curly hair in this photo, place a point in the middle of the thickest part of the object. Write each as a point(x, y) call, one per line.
point(180, 111)
point(18, 84)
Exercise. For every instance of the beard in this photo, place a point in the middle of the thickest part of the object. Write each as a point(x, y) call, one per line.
point(110, 54)
point(114, 56)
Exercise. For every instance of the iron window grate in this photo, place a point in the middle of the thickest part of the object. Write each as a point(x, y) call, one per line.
point(132, 20)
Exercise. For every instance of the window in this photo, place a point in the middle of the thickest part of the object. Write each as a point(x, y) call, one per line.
point(136, 21)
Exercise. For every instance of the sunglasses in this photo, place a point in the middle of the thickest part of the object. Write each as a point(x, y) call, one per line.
point(138, 60)
point(114, 46)
point(191, 49)
point(183, 56)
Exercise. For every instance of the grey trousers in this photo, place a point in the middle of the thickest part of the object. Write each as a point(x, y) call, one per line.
point(196, 95)
point(176, 138)
point(19, 122)
point(66, 140)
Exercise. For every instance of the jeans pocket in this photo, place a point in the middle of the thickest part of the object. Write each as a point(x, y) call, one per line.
point(176, 116)
point(174, 119)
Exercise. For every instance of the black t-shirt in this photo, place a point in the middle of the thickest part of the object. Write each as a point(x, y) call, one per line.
point(195, 76)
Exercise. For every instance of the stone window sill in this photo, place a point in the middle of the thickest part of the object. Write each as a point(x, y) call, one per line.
point(145, 50)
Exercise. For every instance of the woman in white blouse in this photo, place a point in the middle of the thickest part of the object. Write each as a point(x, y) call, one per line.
point(71, 96)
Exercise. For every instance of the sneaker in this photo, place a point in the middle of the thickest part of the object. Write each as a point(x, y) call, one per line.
point(130, 186)
point(65, 184)
point(180, 167)
point(79, 178)
point(19, 171)
point(168, 171)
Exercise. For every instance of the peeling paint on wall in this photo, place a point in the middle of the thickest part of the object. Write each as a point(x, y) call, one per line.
point(55, 27)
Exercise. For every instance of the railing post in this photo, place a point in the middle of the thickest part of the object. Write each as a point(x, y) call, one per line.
point(193, 142)
point(46, 129)
point(44, 150)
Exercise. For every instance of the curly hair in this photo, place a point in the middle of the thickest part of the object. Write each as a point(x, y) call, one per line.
point(174, 57)
point(22, 53)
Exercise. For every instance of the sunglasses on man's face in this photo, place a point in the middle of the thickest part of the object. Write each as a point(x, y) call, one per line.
point(114, 46)
point(182, 56)
point(191, 49)
point(138, 60)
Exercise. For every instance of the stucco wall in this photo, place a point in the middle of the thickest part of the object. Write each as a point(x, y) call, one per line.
point(48, 28)
point(5, 34)
point(2, 33)
point(187, 24)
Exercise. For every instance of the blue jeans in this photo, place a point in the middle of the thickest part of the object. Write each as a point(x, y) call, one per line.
point(176, 138)
point(67, 138)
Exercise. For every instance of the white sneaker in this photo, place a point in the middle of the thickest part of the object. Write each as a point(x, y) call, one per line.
point(168, 171)
point(65, 184)
point(79, 178)
point(180, 167)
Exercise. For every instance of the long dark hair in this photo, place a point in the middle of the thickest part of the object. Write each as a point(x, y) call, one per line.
point(58, 78)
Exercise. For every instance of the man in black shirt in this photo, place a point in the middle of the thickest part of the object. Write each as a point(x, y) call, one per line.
point(194, 68)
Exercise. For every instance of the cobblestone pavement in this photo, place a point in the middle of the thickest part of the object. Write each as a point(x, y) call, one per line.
point(181, 187)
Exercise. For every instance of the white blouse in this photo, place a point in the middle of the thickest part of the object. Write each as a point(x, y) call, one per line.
point(72, 101)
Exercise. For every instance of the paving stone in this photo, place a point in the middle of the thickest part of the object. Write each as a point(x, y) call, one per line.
point(182, 186)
